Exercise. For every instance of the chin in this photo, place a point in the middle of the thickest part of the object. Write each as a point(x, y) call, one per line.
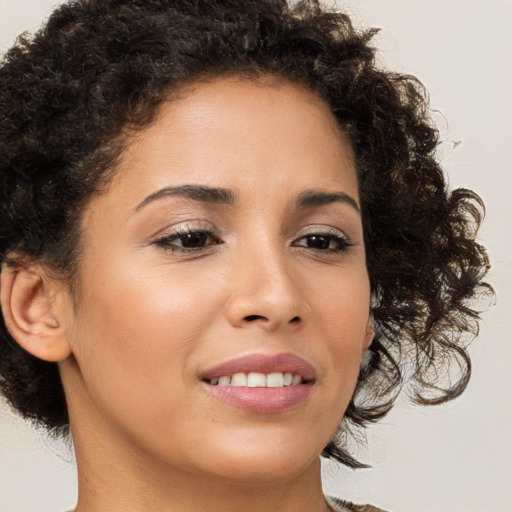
point(266, 459)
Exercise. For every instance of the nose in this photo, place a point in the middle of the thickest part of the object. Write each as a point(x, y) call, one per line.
point(264, 292)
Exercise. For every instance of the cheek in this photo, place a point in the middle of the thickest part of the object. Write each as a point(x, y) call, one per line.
point(136, 330)
point(136, 337)
point(149, 316)
point(342, 301)
point(342, 308)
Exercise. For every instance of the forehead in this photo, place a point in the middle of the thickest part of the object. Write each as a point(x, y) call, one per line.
point(236, 132)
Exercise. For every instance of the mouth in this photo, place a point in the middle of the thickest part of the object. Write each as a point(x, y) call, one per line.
point(258, 380)
point(262, 383)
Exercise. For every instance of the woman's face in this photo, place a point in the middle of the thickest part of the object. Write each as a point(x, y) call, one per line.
point(229, 243)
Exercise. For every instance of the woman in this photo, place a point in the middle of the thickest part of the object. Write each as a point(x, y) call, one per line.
point(225, 245)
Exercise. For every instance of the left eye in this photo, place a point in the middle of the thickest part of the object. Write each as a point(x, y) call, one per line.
point(327, 242)
point(188, 240)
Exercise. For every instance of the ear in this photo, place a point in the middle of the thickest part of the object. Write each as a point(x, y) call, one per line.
point(33, 306)
point(369, 334)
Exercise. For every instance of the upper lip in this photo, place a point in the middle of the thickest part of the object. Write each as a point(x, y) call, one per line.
point(263, 363)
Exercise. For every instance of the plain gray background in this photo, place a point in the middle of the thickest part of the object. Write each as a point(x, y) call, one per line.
point(453, 458)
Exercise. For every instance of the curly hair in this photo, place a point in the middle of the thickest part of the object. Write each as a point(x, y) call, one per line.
point(99, 69)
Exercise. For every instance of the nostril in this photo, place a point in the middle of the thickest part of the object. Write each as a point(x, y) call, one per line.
point(251, 318)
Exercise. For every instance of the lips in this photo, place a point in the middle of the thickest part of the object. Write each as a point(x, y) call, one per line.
point(262, 390)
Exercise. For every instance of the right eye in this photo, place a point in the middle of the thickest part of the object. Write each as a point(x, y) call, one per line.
point(188, 240)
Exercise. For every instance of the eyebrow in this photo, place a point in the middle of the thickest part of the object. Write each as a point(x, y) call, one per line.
point(217, 195)
point(314, 198)
point(197, 192)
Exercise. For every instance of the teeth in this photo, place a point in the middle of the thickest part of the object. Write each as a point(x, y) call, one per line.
point(258, 380)
point(275, 380)
point(288, 379)
point(239, 379)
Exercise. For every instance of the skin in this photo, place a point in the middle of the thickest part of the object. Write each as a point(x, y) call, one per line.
point(148, 321)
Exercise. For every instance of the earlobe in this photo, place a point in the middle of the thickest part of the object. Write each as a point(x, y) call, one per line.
point(33, 311)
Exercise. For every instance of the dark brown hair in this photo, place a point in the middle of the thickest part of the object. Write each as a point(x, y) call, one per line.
point(100, 69)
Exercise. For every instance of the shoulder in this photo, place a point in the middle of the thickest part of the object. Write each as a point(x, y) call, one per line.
point(339, 505)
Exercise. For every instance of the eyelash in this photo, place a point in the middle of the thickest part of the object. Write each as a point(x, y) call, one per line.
point(166, 241)
point(342, 243)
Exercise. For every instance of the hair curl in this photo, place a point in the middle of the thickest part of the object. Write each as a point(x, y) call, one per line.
point(101, 68)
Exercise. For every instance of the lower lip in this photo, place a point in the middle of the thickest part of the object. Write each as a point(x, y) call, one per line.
point(262, 400)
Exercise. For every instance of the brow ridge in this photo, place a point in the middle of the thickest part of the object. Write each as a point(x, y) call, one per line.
point(315, 198)
point(202, 193)
point(218, 195)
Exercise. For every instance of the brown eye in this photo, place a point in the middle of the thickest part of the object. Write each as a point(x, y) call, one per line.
point(318, 242)
point(324, 242)
point(188, 240)
point(193, 239)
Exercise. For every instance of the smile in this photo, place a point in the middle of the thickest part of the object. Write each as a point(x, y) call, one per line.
point(258, 380)
point(267, 384)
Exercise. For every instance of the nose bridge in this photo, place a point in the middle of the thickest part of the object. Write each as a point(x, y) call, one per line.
point(264, 289)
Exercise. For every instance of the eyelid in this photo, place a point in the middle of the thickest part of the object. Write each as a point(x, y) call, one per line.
point(179, 233)
point(342, 241)
point(316, 229)
point(164, 238)
point(323, 228)
point(184, 227)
